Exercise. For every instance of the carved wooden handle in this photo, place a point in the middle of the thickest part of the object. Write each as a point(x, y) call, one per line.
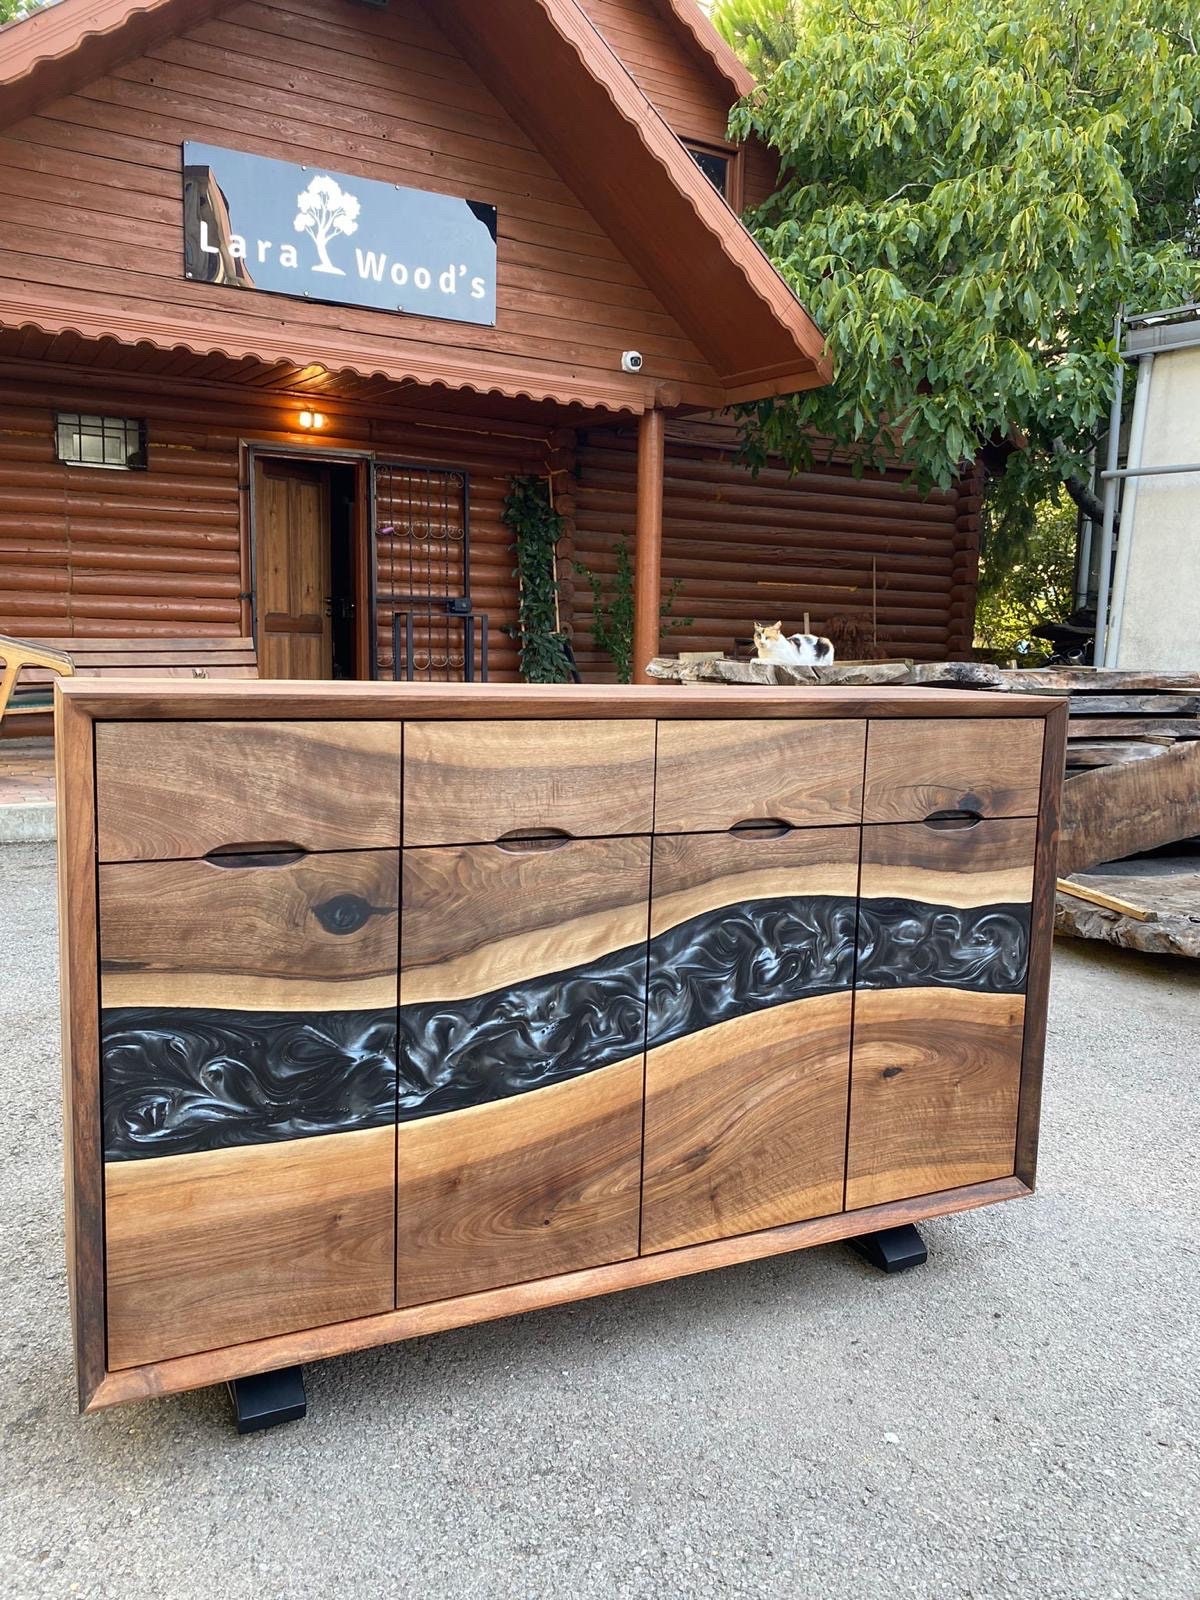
point(259, 853)
point(761, 828)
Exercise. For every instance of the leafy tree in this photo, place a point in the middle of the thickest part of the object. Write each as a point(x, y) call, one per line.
point(969, 191)
point(763, 32)
point(1037, 585)
point(11, 10)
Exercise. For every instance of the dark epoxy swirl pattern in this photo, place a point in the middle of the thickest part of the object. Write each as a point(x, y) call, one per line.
point(180, 1080)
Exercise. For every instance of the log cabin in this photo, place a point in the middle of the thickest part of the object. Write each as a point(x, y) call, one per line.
point(291, 289)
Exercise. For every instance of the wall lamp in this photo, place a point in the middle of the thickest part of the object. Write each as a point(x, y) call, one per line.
point(312, 419)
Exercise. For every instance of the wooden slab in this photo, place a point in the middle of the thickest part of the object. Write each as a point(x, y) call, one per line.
point(698, 873)
point(213, 1249)
point(991, 766)
point(746, 1124)
point(473, 781)
point(1121, 810)
point(988, 864)
point(935, 1084)
point(264, 933)
point(1167, 887)
point(1108, 680)
point(712, 775)
point(519, 1189)
point(186, 788)
point(480, 917)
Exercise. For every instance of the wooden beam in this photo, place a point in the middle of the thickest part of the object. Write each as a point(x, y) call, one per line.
point(1138, 805)
point(647, 555)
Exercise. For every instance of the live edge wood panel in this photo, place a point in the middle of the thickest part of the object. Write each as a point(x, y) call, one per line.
point(630, 989)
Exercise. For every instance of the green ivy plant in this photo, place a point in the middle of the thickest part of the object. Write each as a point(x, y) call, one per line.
point(612, 611)
point(536, 529)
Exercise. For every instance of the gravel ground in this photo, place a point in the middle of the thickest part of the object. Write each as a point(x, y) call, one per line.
point(1016, 1418)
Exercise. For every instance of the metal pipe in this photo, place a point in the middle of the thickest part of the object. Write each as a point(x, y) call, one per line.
point(1137, 441)
point(1150, 472)
point(1110, 499)
point(1086, 529)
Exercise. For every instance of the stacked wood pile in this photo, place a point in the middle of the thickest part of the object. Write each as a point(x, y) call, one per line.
point(1132, 783)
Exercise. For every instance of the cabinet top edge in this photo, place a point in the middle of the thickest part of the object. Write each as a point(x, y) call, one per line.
point(166, 699)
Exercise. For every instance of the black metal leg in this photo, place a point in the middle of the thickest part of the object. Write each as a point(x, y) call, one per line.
point(892, 1249)
point(268, 1398)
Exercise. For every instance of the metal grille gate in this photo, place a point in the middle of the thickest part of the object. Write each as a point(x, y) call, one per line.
point(424, 625)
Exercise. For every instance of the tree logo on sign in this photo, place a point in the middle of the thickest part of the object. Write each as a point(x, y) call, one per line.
point(325, 210)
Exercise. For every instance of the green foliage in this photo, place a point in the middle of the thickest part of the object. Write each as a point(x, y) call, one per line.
point(612, 610)
point(536, 529)
point(969, 191)
point(1038, 586)
point(763, 32)
point(10, 10)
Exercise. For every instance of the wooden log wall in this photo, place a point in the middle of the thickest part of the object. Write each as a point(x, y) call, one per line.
point(116, 554)
point(775, 546)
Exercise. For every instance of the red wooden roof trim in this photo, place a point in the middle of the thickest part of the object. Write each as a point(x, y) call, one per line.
point(812, 366)
point(339, 359)
point(705, 40)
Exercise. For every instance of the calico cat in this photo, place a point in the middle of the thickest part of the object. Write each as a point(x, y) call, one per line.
point(791, 649)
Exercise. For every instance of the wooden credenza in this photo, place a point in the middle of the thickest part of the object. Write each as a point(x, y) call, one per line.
point(392, 1009)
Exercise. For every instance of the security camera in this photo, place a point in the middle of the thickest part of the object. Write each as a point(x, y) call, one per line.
point(631, 360)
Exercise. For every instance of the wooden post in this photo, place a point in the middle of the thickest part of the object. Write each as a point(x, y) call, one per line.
point(647, 553)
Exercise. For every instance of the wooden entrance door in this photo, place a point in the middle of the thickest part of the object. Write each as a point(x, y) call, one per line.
point(292, 569)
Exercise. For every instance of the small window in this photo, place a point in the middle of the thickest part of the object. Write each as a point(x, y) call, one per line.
point(84, 441)
point(714, 164)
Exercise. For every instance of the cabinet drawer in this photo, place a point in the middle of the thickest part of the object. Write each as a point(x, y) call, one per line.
point(473, 781)
point(711, 775)
point(248, 1072)
point(748, 1032)
point(987, 765)
point(943, 945)
point(522, 1031)
point(176, 789)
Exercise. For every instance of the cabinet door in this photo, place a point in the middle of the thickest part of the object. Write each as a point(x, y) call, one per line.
point(748, 1031)
point(248, 1017)
point(939, 1009)
point(522, 1037)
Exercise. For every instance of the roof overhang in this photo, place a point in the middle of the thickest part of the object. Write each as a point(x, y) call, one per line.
point(546, 61)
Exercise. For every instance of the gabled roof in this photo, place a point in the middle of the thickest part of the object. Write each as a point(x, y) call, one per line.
point(562, 82)
point(687, 16)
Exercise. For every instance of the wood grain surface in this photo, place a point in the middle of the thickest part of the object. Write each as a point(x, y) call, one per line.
point(988, 864)
point(935, 1082)
point(318, 932)
point(187, 788)
point(695, 873)
point(218, 1248)
point(915, 767)
point(364, 1333)
point(481, 917)
point(1041, 939)
point(522, 1188)
point(746, 1124)
point(78, 958)
point(1121, 810)
point(472, 781)
point(711, 775)
point(469, 702)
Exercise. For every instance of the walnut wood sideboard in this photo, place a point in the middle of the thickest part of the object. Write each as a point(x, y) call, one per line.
point(390, 1009)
